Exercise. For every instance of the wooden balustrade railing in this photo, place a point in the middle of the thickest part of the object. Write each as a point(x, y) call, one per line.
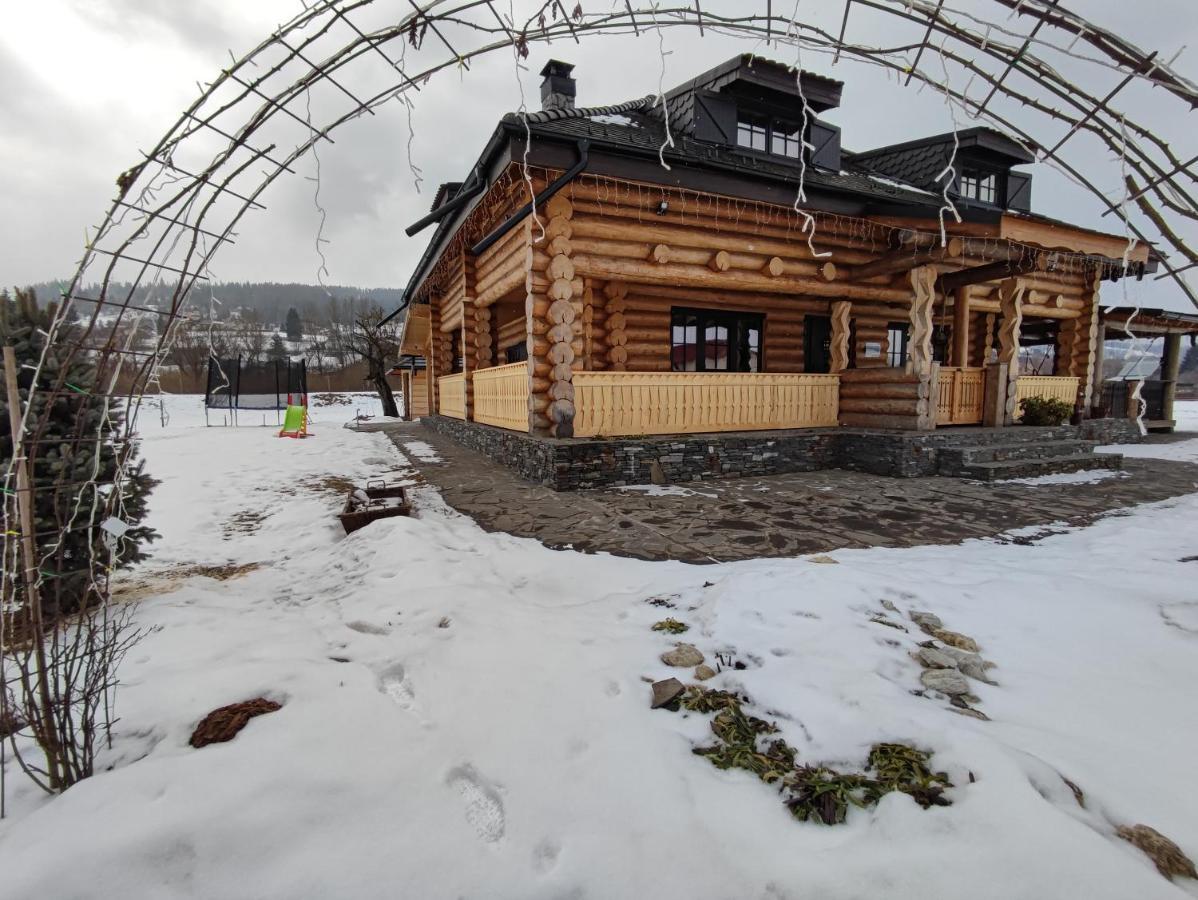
point(1050, 387)
point(631, 403)
point(962, 391)
point(501, 396)
point(452, 392)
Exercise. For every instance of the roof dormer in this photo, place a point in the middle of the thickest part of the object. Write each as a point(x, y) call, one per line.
point(756, 105)
point(982, 162)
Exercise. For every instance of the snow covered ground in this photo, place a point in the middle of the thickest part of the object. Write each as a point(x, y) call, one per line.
point(467, 715)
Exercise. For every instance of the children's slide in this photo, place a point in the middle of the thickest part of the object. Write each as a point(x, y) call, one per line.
point(295, 422)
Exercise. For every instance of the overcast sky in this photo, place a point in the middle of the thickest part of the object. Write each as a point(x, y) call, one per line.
point(85, 84)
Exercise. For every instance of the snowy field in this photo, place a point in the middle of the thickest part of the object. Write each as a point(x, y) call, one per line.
point(466, 715)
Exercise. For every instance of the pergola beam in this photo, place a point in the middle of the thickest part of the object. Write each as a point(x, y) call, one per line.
point(906, 260)
point(1031, 262)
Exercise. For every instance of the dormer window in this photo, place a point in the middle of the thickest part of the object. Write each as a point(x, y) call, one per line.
point(981, 186)
point(769, 135)
point(752, 132)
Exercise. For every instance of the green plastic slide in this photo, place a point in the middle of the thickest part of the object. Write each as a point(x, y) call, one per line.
point(293, 422)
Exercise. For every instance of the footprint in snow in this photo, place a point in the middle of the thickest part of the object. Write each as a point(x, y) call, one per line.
point(544, 856)
point(484, 809)
point(393, 682)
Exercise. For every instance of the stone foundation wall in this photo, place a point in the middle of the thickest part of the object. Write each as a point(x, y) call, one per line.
point(573, 464)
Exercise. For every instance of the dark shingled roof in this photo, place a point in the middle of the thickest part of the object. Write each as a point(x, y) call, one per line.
point(644, 134)
point(919, 162)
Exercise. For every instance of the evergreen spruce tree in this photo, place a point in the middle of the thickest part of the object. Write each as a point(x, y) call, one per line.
point(294, 326)
point(63, 467)
point(277, 351)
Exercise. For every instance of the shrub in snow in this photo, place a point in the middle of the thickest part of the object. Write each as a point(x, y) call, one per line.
point(1044, 411)
point(815, 793)
point(673, 626)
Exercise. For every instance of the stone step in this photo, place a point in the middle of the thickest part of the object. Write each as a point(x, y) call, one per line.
point(1016, 434)
point(1023, 450)
point(1033, 468)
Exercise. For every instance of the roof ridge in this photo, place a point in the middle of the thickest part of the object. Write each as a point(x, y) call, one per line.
point(582, 112)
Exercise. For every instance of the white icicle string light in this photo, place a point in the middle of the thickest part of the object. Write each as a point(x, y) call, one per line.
point(1141, 405)
point(808, 228)
point(949, 173)
point(661, 96)
point(323, 269)
point(523, 111)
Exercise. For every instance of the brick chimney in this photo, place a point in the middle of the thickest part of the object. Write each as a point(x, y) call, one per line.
point(558, 87)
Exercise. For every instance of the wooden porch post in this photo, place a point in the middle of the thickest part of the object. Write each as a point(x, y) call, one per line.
point(839, 350)
point(919, 357)
point(1170, 368)
point(1086, 348)
point(1096, 379)
point(1010, 294)
point(919, 345)
point(961, 327)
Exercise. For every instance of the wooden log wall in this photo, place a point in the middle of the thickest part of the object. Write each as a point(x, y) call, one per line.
point(885, 398)
point(472, 340)
point(981, 336)
point(512, 329)
point(871, 328)
point(440, 358)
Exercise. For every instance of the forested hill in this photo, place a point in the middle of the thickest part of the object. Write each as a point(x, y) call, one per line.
point(271, 301)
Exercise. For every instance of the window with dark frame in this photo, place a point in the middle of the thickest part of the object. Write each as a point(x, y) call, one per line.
point(708, 340)
point(770, 135)
point(981, 186)
point(752, 132)
point(516, 353)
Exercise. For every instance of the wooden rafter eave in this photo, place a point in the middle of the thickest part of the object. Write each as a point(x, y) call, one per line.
point(1056, 236)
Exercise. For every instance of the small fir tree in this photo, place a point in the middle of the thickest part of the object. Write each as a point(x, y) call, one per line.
point(294, 325)
point(277, 351)
point(66, 469)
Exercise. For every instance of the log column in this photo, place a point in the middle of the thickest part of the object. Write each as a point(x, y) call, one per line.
point(1096, 377)
point(839, 350)
point(553, 307)
point(1092, 349)
point(617, 338)
point(919, 357)
point(960, 354)
point(1170, 369)
point(1010, 294)
point(469, 332)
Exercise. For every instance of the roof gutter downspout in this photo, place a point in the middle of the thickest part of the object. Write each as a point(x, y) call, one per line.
point(541, 199)
point(474, 186)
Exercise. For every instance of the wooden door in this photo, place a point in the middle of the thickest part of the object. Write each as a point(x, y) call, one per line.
point(817, 344)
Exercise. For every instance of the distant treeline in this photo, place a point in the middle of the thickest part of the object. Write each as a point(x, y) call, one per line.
point(270, 300)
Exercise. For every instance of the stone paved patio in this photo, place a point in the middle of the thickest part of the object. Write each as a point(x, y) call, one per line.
point(778, 515)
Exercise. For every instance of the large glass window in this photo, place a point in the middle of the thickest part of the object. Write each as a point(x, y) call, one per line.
point(979, 186)
point(703, 340)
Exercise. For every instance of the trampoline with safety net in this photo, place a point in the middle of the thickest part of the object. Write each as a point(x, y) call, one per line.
point(236, 386)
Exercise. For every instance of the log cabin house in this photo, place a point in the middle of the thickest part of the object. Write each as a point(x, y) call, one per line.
point(666, 280)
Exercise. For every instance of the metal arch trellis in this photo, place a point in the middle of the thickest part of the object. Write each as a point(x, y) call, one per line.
point(177, 207)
